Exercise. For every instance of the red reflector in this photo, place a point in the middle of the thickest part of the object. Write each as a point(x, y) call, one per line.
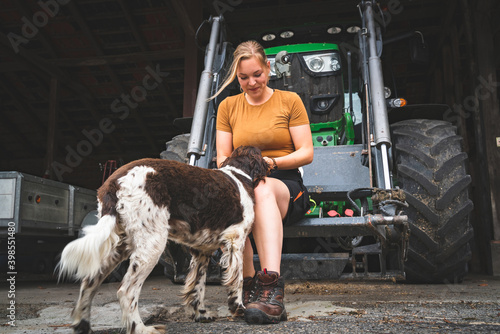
point(333, 213)
point(349, 213)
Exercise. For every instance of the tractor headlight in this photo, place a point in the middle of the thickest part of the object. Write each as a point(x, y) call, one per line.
point(287, 34)
point(315, 64)
point(387, 92)
point(268, 37)
point(322, 63)
point(334, 64)
point(323, 104)
point(353, 29)
point(334, 30)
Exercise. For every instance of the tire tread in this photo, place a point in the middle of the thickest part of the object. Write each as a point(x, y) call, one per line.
point(431, 168)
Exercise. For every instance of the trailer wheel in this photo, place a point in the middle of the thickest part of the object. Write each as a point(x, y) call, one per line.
point(430, 166)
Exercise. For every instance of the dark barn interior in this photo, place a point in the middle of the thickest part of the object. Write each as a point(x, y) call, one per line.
point(83, 82)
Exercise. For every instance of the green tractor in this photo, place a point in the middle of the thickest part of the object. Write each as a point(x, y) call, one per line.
point(388, 184)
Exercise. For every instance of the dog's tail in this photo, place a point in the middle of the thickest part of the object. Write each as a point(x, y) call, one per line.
point(84, 257)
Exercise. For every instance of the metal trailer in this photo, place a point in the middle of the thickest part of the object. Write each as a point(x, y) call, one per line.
point(41, 216)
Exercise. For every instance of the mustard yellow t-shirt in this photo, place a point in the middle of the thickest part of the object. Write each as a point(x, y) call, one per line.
point(265, 126)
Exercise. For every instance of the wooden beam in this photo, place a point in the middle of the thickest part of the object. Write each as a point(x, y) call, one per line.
point(458, 75)
point(51, 127)
point(477, 23)
point(444, 35)
point(191, 56)
point(487, 94)
point(118, 59)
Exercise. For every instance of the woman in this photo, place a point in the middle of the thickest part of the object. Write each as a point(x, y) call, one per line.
point(276, 122)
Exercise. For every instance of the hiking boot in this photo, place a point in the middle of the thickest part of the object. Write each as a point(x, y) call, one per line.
point(267, 306)
point(248, 294)
point(249, 290)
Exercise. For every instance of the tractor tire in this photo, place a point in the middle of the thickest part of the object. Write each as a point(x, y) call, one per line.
point(176, 149)
point(430, 166)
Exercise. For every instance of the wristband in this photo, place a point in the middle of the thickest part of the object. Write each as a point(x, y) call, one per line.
point(275, 165)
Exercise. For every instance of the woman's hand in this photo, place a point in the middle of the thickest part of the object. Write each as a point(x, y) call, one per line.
point(271, 163)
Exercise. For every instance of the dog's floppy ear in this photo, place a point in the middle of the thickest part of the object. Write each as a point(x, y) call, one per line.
point(249, 159)
point(259, 168)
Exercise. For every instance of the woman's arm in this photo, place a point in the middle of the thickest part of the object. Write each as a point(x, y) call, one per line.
point(224, 145)
point(304, 152)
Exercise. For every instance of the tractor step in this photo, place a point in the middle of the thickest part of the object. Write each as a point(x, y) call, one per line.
point(335, 171)
point(313, 266)
point(342, 226)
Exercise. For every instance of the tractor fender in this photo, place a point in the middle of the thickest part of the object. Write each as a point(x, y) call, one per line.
point(418, 111)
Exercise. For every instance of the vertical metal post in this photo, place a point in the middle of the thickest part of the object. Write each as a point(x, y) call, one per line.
point(385, 166)
point(381, 122)
point(349, 79)
point(201, 106)
point(381, 128)
point(17, 202)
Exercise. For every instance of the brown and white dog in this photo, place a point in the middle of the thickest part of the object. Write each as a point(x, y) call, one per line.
point(147, 202)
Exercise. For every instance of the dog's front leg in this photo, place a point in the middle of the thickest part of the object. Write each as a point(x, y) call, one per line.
point(194, 288)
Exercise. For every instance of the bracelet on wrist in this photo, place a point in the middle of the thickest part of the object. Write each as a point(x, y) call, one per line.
point(275, 165)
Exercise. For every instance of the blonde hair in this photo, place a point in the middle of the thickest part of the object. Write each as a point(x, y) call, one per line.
point(245, 50)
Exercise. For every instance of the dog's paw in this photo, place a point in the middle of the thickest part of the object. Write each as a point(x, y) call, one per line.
point(237, 310)
point(204, 316)
point(83, 327)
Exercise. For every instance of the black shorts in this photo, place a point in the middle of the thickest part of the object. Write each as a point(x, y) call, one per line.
point(299, 197)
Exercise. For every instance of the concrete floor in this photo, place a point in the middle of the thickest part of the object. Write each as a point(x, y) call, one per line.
point(43, 306)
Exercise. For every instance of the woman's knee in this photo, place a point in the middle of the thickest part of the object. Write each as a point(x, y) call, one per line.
point(264, 191)
point(272, 197)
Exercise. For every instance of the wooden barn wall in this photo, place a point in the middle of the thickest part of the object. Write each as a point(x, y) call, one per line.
point(465, 77)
